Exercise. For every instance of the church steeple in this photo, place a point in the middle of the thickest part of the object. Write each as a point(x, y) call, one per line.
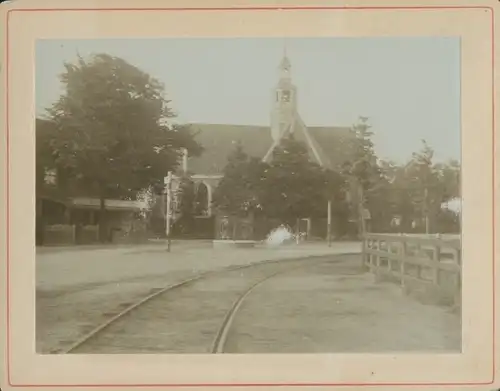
point(285, 66)
point(284, 100)
point(285, 118)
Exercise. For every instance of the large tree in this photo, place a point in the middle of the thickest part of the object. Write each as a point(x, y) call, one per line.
point(363, 173)
point(418, 188)
point(238, 192)
point(431, 184)
point(293, 187)
point(112, 130)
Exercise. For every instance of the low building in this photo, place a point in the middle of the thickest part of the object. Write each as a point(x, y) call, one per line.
point(62, 218)
point(76, 221)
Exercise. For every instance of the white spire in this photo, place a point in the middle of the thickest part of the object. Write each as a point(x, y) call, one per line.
point(285, 65)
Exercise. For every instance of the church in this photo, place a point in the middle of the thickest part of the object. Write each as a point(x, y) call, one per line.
point(326, 145)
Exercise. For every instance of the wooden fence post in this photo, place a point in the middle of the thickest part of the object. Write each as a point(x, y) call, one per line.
point(377, 261)
point(415, 252)
point(389, 256)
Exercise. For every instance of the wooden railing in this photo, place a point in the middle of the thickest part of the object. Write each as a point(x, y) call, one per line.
point(432, 264)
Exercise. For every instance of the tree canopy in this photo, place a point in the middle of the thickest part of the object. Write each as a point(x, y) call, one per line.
point(111, 128)
point(420, 187)
point(111, 133)
point(294, 187)
point(288, 188)
point(240, 188)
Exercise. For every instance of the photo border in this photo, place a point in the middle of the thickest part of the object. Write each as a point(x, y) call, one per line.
point(236, 9)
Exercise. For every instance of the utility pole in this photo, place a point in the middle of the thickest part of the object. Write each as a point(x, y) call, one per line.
point(361, 209)
point(329, 222)
point(426, 209)
point(168, 214)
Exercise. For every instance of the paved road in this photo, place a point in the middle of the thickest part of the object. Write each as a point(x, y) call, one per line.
point(78, 290)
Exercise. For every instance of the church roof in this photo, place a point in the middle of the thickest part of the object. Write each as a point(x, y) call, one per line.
point(333, 143)
point(219, 141)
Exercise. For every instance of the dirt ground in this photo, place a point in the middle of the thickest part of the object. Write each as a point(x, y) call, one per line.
point(184, 320)
point(334, 308)
point(319, 307)
point(78, 290)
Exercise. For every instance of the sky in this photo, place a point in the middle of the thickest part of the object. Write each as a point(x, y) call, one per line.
point(409, 87)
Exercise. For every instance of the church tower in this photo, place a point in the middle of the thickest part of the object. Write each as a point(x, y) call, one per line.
point(284, 98)
point(285, 118)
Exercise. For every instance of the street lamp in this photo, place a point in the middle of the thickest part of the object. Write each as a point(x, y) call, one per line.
point(168, 212)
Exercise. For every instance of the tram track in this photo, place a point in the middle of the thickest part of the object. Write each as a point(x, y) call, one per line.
point(221, 337)
point(190, 316)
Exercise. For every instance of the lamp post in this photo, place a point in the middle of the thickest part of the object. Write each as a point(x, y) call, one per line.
point(361, 209)
point(426, 210)
point(168, 212)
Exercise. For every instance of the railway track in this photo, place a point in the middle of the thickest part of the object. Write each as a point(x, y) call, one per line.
point(192, 316)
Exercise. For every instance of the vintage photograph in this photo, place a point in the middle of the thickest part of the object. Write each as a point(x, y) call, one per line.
point(248, 195)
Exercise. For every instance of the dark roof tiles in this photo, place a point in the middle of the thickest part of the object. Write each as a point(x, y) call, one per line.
point(219, 140)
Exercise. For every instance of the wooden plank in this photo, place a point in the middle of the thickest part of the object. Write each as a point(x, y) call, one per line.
point(427, 256)
point(425, 262)
point(448, 242)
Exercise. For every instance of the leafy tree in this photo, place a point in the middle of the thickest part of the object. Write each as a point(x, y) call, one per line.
point(449, 177)
point(239, 190)
point(418, 189)
point(365, 182)
point(111, 129)
point(44, 159)
point(293, 187)
point(398, 195)
point(363, 164)
point(423, 184)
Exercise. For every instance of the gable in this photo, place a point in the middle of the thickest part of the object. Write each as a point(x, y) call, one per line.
point(218, 140)
point(315, 149)
point(300, 133)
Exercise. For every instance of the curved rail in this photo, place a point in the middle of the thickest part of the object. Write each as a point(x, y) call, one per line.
point(221, 337)
point(161, 291)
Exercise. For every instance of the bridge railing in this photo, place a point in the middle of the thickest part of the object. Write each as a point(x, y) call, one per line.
point(428, 266)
